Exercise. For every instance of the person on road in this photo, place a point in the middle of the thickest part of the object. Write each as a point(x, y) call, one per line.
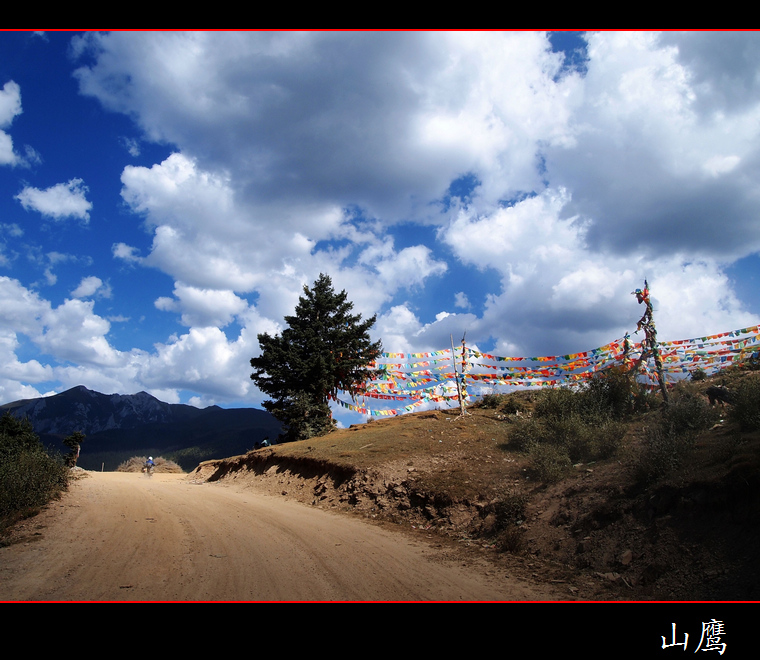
point(149, 465)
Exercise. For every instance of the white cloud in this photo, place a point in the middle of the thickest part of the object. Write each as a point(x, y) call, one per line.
point(301, 153)
point(91, 285)
point(21, 310)
point(203, 307)
point(63, 200)
point(126, 253)
point(205, 361)
point(10, 103)
point(74, 333)
point(75, 341)
point(651, 169)
point(382, 121)
point(10, 107)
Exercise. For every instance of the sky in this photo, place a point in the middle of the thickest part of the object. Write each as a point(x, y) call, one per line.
point(165, 196)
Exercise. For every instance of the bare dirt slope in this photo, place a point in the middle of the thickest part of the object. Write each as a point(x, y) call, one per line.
point(127, 537)
point(597, 534)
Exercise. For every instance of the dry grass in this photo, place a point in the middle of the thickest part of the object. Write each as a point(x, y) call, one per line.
point(136, 463)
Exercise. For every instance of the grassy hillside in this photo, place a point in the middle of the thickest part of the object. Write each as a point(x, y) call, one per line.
point(618, 497)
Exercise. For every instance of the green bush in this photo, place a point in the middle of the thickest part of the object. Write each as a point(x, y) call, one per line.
point(663, 452)
point(549, 463)
point(580, 425)
point(524, 432)
point(512, 404)
point(698, 374)
point(29, 476)
point(687, 414)
point(746, 407)
point(558, 404)
point(671, 436)
point(491, 400)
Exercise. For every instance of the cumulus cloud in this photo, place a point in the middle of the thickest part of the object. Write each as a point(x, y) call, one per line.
point(400, 164)
point(461, 300)
point(650, 169)
point(582, 179)
point(91, 285)
point(383, 121)
point(126, 253)
point(76, 341)
point(61, 201)
point(203, 307)
point(10, 107)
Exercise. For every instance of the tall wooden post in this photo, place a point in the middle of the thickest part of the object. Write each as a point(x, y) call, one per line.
point(650, 338)
point(462, 411)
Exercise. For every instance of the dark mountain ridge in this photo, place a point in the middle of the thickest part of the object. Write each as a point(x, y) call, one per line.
point(119, 426)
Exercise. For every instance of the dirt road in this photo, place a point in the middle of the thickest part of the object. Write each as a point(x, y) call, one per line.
point(126, 537)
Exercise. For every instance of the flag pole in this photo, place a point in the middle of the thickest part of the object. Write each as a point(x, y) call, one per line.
point(456, 375)
point(650, 338)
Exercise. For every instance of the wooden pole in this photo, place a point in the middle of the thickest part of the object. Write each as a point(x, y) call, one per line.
point(456, 376)
point(650, 338)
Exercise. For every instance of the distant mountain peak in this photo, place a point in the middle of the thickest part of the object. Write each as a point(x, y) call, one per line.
point(133, 421)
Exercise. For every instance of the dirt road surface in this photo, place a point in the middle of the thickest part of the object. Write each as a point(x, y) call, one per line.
point(127, 537)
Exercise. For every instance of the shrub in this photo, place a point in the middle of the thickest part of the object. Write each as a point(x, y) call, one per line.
point(582, 424)
point(508, 509)
point(698, 374)
point(687, 414)
point(29, 476)
point(607, 438)
point(751, 362)
point(549, 463)
point(558, 404)
point(510, 539)
point(491, 400)
point(672, 435)
point(746, 408)
point(525, 432)
point(663, 452)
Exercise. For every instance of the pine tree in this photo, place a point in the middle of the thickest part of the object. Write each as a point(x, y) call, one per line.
point(323, 349)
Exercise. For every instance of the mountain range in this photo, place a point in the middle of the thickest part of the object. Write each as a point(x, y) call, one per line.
point(119, 426)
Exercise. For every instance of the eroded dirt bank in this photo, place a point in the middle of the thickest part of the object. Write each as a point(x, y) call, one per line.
point(595, 536)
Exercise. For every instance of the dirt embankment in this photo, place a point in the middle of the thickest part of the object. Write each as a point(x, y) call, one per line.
point(598, 533)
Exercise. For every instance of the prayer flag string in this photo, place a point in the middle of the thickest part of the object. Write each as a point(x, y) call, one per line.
point(406, 381)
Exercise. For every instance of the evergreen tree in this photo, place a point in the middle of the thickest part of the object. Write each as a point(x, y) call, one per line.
point(73, 442)
point(323, 349)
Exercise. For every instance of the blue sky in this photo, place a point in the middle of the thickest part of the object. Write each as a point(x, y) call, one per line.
point(164, 196)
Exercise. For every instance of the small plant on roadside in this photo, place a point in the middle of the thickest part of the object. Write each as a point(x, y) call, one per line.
point(505, 515)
